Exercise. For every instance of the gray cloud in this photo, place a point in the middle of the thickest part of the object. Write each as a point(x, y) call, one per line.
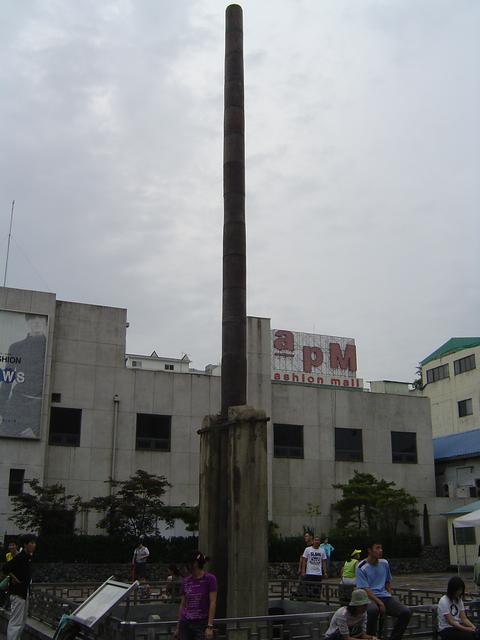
point(362, 167)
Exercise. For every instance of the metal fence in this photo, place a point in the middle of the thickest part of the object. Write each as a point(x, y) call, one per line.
point(48, 608)
point(163, 591)
point(284, 627)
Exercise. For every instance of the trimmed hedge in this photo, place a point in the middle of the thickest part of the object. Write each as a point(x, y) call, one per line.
point(107, 549)
point(403, 545)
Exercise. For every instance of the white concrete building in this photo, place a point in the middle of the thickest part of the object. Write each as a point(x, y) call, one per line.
point(101, 415)
point(452, 382)
point(457, 464)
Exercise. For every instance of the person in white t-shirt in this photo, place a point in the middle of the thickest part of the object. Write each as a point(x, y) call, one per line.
point(453, 623)
point(314, 566)
point(139, 560)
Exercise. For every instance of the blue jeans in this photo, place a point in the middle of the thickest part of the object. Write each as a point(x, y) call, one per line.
point(192, 630)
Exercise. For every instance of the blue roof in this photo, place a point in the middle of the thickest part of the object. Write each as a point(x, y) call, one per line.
point(457, 445)
point(466, 508)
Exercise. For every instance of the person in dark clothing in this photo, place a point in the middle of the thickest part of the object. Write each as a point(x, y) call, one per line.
point(20, 571)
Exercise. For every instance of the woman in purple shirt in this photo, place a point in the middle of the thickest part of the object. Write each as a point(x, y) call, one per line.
point(199, 599)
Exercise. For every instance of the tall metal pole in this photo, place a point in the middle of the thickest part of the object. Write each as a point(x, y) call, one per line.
point(8, 245)
point(234, 310)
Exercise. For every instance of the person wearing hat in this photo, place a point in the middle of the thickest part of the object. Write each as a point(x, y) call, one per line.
point(350, 621)
point(198, 602)
point(348, 569)
point(347, 579)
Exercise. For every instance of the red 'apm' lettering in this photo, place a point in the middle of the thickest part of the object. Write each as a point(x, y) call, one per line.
point(312, 357)
point(284, 340)
point(346, 360)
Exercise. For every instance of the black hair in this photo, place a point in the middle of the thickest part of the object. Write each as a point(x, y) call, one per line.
point(455, 584)
point(28, 537)
point(352, 609)
point(199, 558)
point(174, 570)
point(371, 543)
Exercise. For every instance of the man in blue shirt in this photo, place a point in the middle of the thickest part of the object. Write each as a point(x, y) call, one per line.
point(373, 575)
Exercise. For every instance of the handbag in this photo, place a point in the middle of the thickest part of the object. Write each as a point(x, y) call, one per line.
point(5, 583)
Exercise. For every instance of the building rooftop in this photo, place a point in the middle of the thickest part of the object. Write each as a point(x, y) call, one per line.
point(457, 445)
point(450, 346)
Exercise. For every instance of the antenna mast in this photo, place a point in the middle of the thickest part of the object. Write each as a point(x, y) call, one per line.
point(8, 246)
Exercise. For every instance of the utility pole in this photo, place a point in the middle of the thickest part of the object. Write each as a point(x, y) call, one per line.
point(8, 245)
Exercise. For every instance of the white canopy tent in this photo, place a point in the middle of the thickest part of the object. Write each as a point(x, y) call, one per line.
point(468, 520)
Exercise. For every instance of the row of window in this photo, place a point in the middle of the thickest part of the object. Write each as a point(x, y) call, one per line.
point(153, 431)
point(459, 366)
point(288, 443)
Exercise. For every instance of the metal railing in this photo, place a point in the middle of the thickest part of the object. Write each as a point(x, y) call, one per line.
point(330, 593)
point(48, 608)
point(298, 626)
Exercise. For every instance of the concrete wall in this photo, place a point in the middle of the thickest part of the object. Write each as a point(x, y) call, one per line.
point(445, 394)
point(89, 375)
point(300, 483)
point(437, 510)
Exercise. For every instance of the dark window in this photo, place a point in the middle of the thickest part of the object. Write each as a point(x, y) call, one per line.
point(56, 397)
point(15, 483)
point(404, 446)
point(438, 373)
point(465, 408)
point(169, 367)
point(464, 364)
point(65, 425)
point(288, 441)
point(348, 444)
point(464, 535)
point(153, 432)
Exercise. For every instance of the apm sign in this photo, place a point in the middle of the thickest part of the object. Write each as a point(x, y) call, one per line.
point(314, 359)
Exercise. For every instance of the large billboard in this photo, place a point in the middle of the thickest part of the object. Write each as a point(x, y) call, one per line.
point(311, 358)
point(23, 348)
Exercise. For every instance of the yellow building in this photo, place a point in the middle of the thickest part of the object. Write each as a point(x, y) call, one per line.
point(452, 382)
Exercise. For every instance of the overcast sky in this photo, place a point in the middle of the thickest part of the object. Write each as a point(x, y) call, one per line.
point(363, 167)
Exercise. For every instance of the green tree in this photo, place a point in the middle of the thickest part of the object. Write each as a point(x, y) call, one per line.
point(189, 515)
point(374, 505)
point(134, 506)
point(418, 382)
point(46, 510)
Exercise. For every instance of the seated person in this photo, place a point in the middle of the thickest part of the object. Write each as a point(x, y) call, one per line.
point(373, 575)
point(350, 621)
point(453, 623)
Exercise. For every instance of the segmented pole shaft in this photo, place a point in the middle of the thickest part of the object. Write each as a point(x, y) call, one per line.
point(234, 311)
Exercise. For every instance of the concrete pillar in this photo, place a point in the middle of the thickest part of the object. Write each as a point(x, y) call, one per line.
point(233, 509)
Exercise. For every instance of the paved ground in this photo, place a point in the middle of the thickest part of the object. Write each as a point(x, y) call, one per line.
point(433, 581)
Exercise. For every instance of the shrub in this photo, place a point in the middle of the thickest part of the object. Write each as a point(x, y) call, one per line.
point(109, 549)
